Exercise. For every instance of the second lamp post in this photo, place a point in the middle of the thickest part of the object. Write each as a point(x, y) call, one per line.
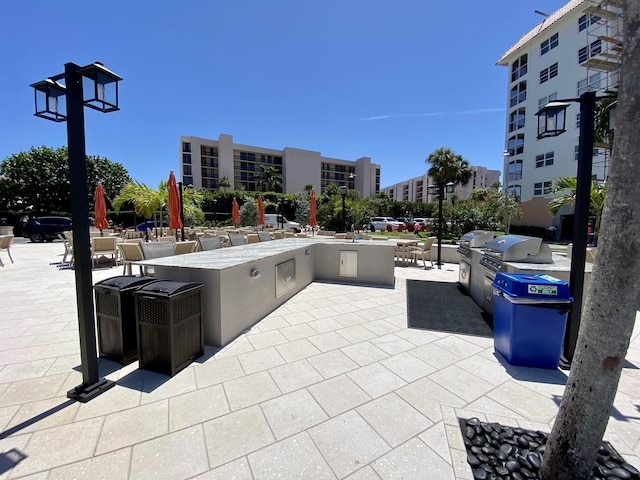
point(439, 189)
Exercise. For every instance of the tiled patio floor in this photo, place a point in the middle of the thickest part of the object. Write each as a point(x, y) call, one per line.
point(330, 385)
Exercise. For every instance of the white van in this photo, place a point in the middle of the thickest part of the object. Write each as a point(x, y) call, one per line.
point(277, 221)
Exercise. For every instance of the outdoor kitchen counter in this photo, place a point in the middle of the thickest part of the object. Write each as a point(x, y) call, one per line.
point(243, 284)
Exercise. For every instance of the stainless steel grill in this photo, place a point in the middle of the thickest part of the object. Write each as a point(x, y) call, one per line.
point(473, 239)
point(509, 248)
point(515, 248)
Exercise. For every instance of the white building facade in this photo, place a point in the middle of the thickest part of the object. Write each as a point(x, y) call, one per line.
point(575, 49)
point(416, 189)
point(204, 162)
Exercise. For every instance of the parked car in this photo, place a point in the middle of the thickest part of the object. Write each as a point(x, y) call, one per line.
point(277, 221)
point(380, 224)
point(40, 229)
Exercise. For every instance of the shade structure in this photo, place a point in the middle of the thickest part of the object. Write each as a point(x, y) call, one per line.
point(235, 212)
point(100, 208)
point(312, 209)
point(174, 203)
point(260, 211)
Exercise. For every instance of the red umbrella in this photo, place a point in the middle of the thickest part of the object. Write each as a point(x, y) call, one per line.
point(174, 203)
point(260, 210)
point(100, 208)
point(312, 214)
point(235, 212)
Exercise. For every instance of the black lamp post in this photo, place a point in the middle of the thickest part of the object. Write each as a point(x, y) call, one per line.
point(281, 203)
point(100, 93)
point(551, 123)
point(438, 189)
point(343, 191)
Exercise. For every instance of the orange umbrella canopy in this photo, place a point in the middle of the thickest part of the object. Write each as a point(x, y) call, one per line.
point(174, 203)
point(260, 211)
point(235, 212)
point(100, 208)
point(313, 221)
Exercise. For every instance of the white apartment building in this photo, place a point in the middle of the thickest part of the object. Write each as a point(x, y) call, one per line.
point(204, 162)
point(575, 49)
point(416, 189)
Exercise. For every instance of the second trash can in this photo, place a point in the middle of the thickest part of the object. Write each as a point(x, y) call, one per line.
point(529, 318)
point(170, 330)
point(115, 312)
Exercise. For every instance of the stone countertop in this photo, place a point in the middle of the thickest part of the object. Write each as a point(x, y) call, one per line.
point(228, 257)
point(560, 264)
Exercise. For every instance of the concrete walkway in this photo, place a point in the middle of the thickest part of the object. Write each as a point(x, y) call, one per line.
point(330, 385)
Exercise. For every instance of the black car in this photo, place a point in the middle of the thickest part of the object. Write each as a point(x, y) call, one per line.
point(40, 229)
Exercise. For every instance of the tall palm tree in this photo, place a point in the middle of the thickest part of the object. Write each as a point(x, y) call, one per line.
point(447, 166)
point(147, 202)
point(269, 176)
point(568, 185)
point(308, 187)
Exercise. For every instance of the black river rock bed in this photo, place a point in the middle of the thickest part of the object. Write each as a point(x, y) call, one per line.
point(497, 452)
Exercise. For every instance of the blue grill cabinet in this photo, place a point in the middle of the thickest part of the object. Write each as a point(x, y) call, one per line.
point(529, 318)
point(170, 330)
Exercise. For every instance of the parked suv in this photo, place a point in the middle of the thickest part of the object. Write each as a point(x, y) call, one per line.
point(40, 229)
point(380, 224)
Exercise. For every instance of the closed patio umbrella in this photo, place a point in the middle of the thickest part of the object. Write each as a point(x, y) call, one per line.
point(312, 212)
point(100, 208)
point(174, 203)
point(235, 212)
point(260, 210)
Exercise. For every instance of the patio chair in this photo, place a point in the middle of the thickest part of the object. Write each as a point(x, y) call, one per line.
point(156, 250)
point(5, 244)
point(264, 236)
point(185, 247)
point(68, 249)
point(101, 246)
point(237, 239)
point(422, 250)
point(130, 252)
point(252, 238)
point(209, 243)
point(167, 238)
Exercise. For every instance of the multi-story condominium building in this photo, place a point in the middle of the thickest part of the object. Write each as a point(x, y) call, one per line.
point(416, 189)
point(575, 49)
point(204, 162)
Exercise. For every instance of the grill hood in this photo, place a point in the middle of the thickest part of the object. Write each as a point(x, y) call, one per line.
point(519, 248)
point(476, 238)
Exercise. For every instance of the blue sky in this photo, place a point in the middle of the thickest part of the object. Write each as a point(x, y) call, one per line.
point(389, 80)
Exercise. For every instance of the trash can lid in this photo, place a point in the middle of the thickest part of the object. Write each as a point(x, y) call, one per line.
point(167, 287)
point(124, 281)
point(540, 286)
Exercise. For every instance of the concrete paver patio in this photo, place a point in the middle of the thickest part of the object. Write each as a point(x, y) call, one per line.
point(330, 385)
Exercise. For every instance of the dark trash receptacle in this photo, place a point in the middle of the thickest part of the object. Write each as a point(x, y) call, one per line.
point(169, 319)
point(529, 318)
point(116, 317)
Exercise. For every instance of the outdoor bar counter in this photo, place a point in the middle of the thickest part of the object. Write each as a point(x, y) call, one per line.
point(243, 284)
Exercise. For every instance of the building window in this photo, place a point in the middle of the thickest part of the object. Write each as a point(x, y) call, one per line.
point(186, 169)
point(549, 44)
point(591, 50)
point(514, 171)
point(585, 20)
point(516, 120)
point(549, 72)
point(515, 144)
point(186, 146)
point(544, 160)
point(515, 191)
point(592, 83)
point(187, 180)
point(544, 100)
point(186, 158)
point(542, 188)
point(519, 68)
point(518, 94)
